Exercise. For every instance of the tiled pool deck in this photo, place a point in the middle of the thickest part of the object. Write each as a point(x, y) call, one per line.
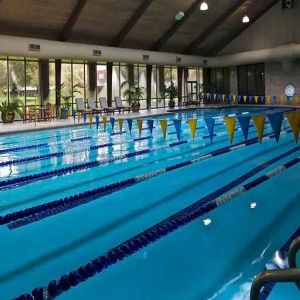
point(19, 127)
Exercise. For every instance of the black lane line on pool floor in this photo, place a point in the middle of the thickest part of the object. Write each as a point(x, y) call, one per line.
point(163, 228)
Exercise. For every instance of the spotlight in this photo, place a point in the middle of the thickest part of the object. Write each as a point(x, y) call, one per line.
point(245, 19)
point(179, 16)
point(204, 6)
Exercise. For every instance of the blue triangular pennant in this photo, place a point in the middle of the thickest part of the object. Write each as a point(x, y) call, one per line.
point(244, 123)
point(250, 99)
point(276, 122)
point(239, 99)
point(177, 125)
point(210, 124)
point(84, 118)
point(129, 122)
point(150, 123)
point(97, 121)
point(262, 98)
point(74, 115)
point(112, 122)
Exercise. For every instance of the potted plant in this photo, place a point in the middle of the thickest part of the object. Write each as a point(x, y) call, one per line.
point(67, 98)
point(10, 109)
point(171, 92)
point(133, 94)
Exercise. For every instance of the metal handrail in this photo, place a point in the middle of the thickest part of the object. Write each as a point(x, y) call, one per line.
point(286, 275)
point(294, 248)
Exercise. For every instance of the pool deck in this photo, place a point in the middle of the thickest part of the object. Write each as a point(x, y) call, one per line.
point(20, 127)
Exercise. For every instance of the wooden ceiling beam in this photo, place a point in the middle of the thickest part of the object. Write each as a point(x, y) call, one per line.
point(138, 13)
point(65, 33)
point(171, 31)
point(212, 28)
point(253, 18)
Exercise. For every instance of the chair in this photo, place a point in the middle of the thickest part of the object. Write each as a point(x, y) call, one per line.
point(120, 106)
point(104, 105)
point(29, 113)
point(49, 112)
point(92, 105)
point(81, 107)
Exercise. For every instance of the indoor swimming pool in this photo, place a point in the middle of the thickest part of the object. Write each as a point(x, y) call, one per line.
point(89, 213)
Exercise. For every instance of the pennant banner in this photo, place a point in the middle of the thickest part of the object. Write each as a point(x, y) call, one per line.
point(129, 123)
point(74, 116)
point(140, 126)
point(163, 125)
point(177, 125)
point(259, 123)
point(276, 122)
point(104, 121)
point(294, 121)
point(90, 119)
point(112, 123)
point(97, 121)
point(230, 125)
point(150, 123)
point(120, 121)
point(210, 124)
point(193, 127)
point(244, 124)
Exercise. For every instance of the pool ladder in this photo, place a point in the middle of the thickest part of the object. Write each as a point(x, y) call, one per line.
point(292, 274)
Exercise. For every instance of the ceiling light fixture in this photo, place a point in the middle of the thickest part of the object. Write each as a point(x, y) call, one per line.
point(179, 16)
point(204, 6)
point(245, 19)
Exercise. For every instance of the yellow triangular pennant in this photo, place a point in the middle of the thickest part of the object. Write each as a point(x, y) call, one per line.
point(91, 119)
point(259, 123)
point(223, 97)
point(78, 116)
point(230, 125)
point(140, 126)
point(104, 121)
point(163, 125)
point(120, 121)
point(294, 121)
point(256, 99)
point(268, 98)
point(193, 127)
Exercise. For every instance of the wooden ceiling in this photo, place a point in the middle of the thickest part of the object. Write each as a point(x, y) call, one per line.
point(139, 24)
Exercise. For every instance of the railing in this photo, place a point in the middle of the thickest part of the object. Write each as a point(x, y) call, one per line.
point(292, 274)
point(286, 275)
point(294, 248)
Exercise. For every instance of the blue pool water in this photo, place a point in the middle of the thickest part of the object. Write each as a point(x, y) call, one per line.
point(218, 261)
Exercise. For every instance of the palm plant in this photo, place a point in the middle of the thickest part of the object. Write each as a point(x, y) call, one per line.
point(171, 92)
point(10, 109)
point(133, 94)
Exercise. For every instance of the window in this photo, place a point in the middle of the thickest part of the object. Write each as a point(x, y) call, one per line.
point(115, 81)
point(78, 81)
point(66, 84)
point(17, 80)
point(101, 81)
point(32, 83)
point(52, 90)
point(3, 81)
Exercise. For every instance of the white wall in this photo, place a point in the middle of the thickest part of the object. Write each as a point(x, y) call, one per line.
point(276, 27)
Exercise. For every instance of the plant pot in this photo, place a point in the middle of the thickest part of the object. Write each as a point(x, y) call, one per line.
point(136, 107)
point(8, 117)
point(171, 104)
